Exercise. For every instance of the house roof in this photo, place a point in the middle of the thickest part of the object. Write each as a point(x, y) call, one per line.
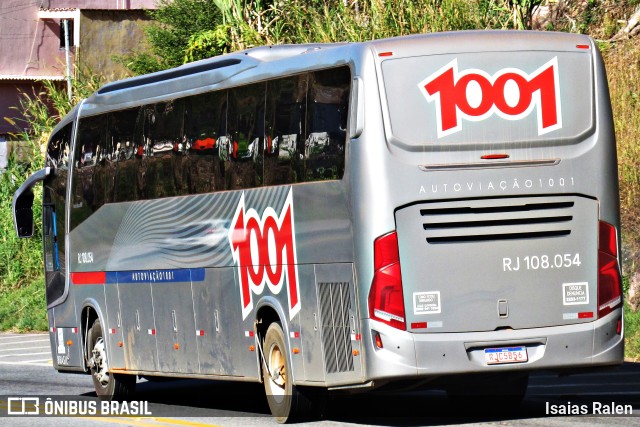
point(30, 78)
point(98, 4)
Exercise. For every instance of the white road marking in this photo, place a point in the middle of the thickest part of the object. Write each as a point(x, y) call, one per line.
point(27, 363)
point(24, 348)
point(24, 354)
point(20, 336)
point(24, 342)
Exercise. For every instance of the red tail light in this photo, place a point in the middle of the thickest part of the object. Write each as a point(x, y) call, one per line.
point(609, 280)
point(386, 302)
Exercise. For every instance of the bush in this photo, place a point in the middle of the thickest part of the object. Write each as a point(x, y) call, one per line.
point(623, 68)
point(22, 304)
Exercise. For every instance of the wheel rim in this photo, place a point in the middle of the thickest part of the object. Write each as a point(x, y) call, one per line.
point(277, 371)
point(100, 368)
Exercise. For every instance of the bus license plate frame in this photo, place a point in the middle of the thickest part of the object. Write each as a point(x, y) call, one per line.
point(505, 355)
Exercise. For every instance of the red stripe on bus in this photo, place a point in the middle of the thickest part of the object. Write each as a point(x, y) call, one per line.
point(89, 278)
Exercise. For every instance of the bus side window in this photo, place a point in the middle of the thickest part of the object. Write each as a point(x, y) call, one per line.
point(285, 123)
point(90, 141)
point(122, 126)
point(104, 170)
point(162, 176)
point(246, 135)
point(327, 106)
point(159, 134)
point(202, 125)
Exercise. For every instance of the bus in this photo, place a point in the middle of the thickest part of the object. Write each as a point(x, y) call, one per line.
point(435, 210)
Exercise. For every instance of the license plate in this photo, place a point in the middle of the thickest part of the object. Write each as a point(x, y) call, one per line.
point(498, 356)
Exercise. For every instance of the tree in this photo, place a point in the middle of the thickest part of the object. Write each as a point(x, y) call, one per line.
point(169, 34)
point(523, 12)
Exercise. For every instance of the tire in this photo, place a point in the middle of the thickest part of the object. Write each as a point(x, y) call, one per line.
point(287, 402)
point(108, 386)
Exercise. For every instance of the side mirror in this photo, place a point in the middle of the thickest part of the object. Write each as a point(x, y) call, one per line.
point(23, 214)
point(23, 204)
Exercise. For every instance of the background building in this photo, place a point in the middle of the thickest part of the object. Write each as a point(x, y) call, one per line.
point(32, 44)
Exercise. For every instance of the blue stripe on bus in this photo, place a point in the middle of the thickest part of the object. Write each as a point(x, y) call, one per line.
point(156, 276)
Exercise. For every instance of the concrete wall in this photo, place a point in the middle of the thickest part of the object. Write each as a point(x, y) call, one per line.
point(107, 33)
point(10, 98)
point(28, 46)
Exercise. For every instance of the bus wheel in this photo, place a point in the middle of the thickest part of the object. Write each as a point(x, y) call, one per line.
point(108, 386)
point(287, 402)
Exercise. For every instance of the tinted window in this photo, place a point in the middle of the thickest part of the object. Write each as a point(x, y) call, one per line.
point(279, 132)
point(205, 118)
point(160, 173)
point(327, 112)
point(87, 192)
point(122, 128)
point(245, 136)
point(285, 130)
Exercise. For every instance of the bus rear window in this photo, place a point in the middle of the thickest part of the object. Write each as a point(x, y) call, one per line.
point(501, 98)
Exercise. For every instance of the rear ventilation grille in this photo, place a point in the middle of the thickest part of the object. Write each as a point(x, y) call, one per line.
point(336, 332)
point(492, 220)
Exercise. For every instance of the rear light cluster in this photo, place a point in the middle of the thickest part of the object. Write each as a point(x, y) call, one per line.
point(386, 301)
point(609, 280)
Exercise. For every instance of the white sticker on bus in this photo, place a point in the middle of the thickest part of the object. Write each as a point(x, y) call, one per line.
point(575, 293)
point(426, 302)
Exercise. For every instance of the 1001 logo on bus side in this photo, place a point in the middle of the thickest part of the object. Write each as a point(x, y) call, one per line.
point(264, 250)
point(510, 93)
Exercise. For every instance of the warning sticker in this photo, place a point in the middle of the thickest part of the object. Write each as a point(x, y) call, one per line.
point(61, 347)
point(426, 302)
point(575, 293)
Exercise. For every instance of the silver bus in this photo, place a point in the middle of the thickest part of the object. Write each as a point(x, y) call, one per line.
point(432, 210)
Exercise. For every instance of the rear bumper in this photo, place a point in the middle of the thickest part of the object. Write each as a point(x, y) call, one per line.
point(421, 356)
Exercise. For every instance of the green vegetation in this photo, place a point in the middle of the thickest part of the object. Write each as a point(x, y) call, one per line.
point(623, 69)
point(22, 302)
point(174, 22)
point(188, 30)
point(631, 328)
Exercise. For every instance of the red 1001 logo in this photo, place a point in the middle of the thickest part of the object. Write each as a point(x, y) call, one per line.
point(264, 249)
point(510, 93)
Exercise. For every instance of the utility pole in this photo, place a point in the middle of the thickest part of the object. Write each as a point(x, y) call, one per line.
point(65, 23)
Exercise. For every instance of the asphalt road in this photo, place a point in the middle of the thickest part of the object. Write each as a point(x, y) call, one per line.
point(26, 372)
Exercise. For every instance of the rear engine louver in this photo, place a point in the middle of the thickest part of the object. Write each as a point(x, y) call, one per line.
point(336, 332)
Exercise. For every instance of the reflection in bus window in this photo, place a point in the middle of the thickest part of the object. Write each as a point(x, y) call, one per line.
point(204, 124)
point(327, 106)
point(285, 122)
point(246, 135)
point(90, 142)
point(122, 126)
point(160, 173)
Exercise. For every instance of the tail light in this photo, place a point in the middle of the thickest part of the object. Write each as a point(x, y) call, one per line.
point(609, 280)
point(386, 301)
